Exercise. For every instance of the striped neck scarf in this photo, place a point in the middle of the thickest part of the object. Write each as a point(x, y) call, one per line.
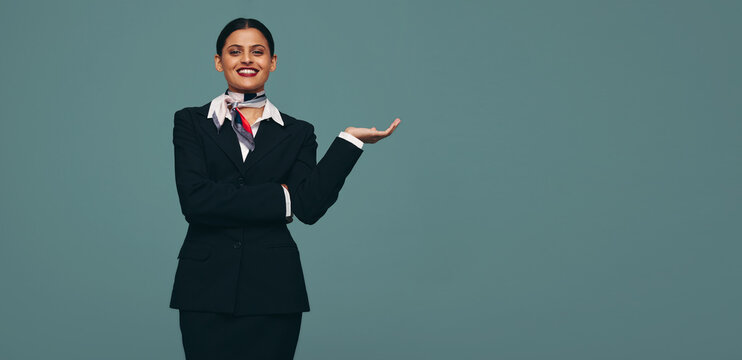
point(240, 125)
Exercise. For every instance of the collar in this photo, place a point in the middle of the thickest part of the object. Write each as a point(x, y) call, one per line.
point(218, 111)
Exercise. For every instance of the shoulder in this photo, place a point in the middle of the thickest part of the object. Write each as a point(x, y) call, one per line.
point(192, 111)
point(298, 124)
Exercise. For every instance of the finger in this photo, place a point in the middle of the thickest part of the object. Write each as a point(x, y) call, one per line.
point(393, 126)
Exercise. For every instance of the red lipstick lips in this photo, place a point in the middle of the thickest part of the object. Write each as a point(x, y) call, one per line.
point(243, 73)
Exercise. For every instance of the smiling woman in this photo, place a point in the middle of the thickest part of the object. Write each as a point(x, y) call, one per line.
point(239, 283)
point(246, 61)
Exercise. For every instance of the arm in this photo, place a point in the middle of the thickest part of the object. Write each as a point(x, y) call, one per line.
point(313, 186)
point(207, 202)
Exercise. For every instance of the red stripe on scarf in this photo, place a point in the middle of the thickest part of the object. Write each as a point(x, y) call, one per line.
point(244, 123)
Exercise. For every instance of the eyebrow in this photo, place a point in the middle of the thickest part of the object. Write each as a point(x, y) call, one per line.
point(240, 46)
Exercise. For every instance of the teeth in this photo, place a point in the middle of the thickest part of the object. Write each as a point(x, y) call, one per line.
point(247, 71)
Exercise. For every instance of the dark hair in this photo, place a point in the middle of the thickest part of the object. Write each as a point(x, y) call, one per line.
point(239, 24)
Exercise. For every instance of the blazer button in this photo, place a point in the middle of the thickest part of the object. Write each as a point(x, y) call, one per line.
point(237, 244)
point(241, 180)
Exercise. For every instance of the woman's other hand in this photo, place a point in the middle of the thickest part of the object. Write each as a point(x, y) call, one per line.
point(370, 136)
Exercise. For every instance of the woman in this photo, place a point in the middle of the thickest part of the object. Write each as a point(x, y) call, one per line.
point(243, 170)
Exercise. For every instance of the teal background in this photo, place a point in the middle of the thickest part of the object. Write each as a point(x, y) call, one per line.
point(565, 182)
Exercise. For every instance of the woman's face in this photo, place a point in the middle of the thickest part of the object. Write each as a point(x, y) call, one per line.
point(246, 61)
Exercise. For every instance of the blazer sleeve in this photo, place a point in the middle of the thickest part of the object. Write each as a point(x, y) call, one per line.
point(313, 186)
point(204, 201)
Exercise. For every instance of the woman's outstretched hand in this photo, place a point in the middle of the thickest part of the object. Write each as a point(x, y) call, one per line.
point(370, 136)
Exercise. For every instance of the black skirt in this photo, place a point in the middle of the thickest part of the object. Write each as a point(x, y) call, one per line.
point(215, 336)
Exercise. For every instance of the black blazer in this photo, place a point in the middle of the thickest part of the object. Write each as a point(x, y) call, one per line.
point(238, 256)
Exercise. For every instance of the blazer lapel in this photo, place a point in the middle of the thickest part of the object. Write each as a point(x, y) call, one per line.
point(270, 134)
point(225, 138)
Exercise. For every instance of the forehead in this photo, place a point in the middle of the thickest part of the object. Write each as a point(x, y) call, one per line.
point(246, 37)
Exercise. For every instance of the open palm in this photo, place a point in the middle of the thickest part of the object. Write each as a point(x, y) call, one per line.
point(370, 136)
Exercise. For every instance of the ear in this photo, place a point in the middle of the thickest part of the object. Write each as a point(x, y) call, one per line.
point(218, 63)
point(274, 63)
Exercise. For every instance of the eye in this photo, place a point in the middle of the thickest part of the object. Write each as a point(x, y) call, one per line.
point(234, 52)
point(257, 52)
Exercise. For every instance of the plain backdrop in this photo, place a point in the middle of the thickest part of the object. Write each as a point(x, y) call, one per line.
point(565, 182)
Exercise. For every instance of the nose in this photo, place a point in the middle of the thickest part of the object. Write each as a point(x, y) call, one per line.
point(246, 57)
